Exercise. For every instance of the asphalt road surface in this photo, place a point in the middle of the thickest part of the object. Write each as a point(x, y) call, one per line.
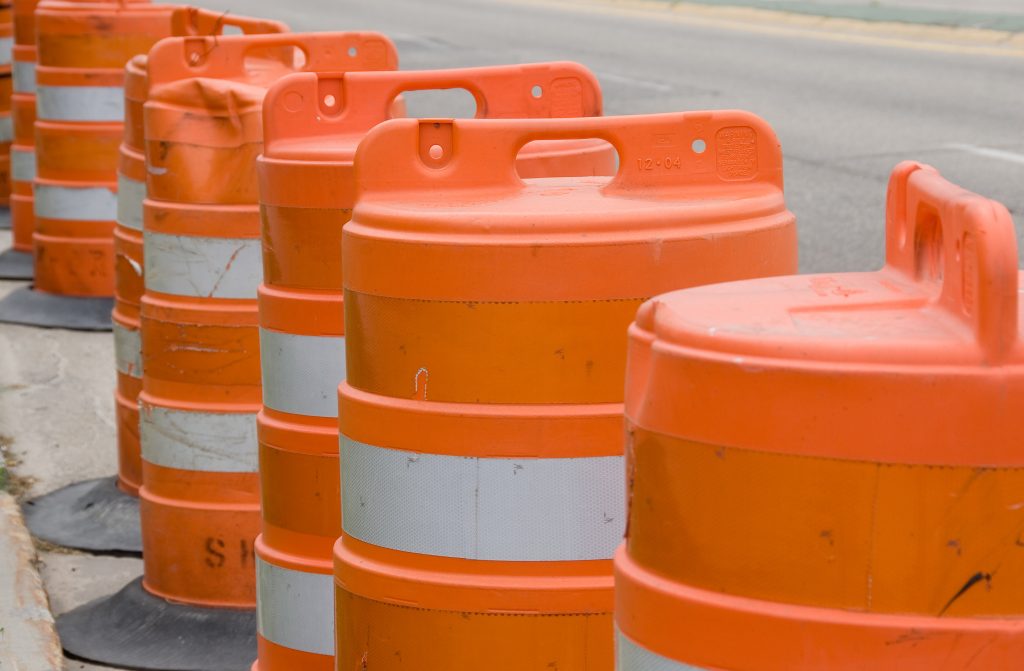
point(846, 111)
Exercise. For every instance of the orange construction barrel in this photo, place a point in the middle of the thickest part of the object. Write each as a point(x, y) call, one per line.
point(485, 321)
point(194, 608)
point(81, 43)
point(128, 241)
point(824, 470)
point(6, 88)
point(16, 262)
point(313, 123)
point(82, 48)
point(103, 514)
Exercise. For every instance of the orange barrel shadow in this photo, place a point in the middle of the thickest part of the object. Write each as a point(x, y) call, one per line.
point(199, 500)
point(485, 321)
point(312, 126)
point(823, 468)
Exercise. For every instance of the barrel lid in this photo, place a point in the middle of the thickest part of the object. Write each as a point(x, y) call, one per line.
point(929, 343)
point(448, 177)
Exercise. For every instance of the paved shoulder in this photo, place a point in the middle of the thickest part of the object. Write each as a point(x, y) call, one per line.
point(1002, 15)
point(28, 639)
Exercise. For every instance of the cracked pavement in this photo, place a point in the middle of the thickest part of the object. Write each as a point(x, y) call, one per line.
point(57, 407)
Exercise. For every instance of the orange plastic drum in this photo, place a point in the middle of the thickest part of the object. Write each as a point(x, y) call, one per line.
point(200, 336)
point(6, 88)
point(313, 124)
point(82, 49)
point(485, 321)
point(23, 157)
point(23, 116)
point(131, 190)
point(825, 470)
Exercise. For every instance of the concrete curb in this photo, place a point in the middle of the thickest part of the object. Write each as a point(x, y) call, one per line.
point(885, 13)
point(737, 16)
point(28, 638)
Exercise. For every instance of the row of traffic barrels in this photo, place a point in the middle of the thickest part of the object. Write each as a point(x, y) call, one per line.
point(7, 51)
point(535, 390)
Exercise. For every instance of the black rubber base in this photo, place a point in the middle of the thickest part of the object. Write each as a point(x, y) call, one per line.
point(36, 308)
point(15, 265)
point(93, 515)
point(135, 630)
point(5, 218)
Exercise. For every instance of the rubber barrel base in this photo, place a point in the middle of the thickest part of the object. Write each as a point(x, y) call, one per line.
point(15, 265)
point(5, 218)
point(135, 630)
point(36, 308)
point(94, 515)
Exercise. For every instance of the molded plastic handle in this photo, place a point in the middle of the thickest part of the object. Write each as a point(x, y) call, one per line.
point(193, 21)
point(225, 57)
point(315, 104)
point(937, 232)
point(656, 151)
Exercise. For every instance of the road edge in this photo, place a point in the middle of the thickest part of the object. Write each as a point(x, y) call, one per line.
point(917, 36)
point(881, 13)
point(28, 636)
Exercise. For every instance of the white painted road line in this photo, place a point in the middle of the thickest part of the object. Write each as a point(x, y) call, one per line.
point(648, 84)
point(987, 152)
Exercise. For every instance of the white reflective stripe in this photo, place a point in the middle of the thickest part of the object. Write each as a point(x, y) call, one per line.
point(6, 128)
point(130, 194)
point(91, 203)
point(301, 373)
point(295, 609)
point(23, 164)
point(185, 265)
point(128, 350)
point(80, 103)
point(220, 442)
point(24, 77)
point(6, 50)
point(483, 508)
point(631, 657)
